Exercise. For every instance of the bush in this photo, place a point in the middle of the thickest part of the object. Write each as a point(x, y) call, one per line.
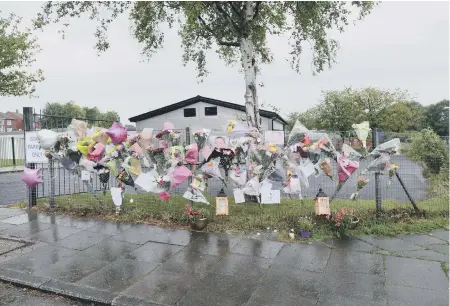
point(430, 150)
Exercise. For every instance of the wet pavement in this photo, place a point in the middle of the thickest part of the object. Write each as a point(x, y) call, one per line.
point(127, 264)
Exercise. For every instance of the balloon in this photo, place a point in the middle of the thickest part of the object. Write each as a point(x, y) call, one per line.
point(32, 177)
point(96, 151)
point(117, 133)
point(47, 139)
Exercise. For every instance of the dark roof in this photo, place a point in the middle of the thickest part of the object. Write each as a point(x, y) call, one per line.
point(184, 103)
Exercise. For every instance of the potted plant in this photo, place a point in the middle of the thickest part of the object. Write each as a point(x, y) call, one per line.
point(196, 218)
point(305, 226)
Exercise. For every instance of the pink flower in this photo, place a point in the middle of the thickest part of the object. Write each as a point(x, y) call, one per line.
point(164, 196)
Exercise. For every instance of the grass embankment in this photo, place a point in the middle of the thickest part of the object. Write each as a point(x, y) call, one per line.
point(396, 218)
point(9, 163)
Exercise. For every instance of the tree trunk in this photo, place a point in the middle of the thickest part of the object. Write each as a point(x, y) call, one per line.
point(249, 65)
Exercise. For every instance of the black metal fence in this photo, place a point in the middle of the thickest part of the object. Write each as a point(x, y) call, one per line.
point(60, 182)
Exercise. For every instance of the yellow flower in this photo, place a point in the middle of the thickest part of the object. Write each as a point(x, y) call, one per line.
point(394, 166)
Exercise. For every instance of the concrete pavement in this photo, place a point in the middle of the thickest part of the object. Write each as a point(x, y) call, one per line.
point(129, 264)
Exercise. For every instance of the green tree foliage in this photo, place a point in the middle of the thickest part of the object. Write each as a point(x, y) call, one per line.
point(437, 118)
point(403, 116)
point(17, 52)
point(430, 150)
point(236, 30)
point(308, 118)
point(57, 115)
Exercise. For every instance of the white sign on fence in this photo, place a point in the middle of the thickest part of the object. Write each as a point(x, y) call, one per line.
point(274, 137)
point(33, 151)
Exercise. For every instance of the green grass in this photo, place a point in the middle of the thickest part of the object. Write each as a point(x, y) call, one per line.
point(396, 218)
point(9, 162)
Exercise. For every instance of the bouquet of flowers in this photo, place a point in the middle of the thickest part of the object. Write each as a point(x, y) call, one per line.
point(226, 160)
point(325, 166)
point(359, 185)
point(192, 215)
point(297, 134)
point(103, 175)
point(379, 165)
point(362, 132)
point(389, 147)
point(126, 179)
point(392, 170)
point(158, 158)
point(342, 221)
point(201, 136)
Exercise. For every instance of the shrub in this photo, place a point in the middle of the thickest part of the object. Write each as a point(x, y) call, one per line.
point(430, 150)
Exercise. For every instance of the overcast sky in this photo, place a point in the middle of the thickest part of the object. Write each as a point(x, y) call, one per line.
point(400, 45)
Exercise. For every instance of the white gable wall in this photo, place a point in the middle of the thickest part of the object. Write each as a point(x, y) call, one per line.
point(216, 123)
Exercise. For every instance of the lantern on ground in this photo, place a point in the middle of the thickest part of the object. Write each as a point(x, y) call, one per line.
point(322, 203)
point(221, 204)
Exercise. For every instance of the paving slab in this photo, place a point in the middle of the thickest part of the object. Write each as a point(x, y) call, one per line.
point(154, 252)
point(21, 218)
point(131, 301)
point(22, 278)
point(80, 292)
point(71, 222)
point(21, 251)
point(72, 269)
point(81, 240)
point(422, 240)
point(118, 275)
point(26, 230)
point(198, 265)
point(350, 244)
point(109, 250)
point(54, 233)
point(440, 248)
point(409, 296)
point(415, 273)
point(346, 301)
point(5, 226)
point(309, 257)
point(7, 245)
point(162, 287)
point(38, 259)
point(259, 248)
point(425, 254)
point(110, 228)
point(137, 234)
point(213, 244)
point(216, 289)
point(356, 262)
point(284, 286)
point(10, 212)
point(242, 266)
point(391, 244)
point(356, 286)
point(441, 234)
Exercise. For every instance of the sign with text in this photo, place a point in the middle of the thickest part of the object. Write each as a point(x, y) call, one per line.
point(270, 197)
point(274, 137)
point(33, 151)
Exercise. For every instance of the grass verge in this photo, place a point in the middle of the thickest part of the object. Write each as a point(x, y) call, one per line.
point(9, 163)
point(396, 218)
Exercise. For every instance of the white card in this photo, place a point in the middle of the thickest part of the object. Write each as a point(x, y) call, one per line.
point(308, 168)
point(270, 196)
point(238, 196)
point(85, 175)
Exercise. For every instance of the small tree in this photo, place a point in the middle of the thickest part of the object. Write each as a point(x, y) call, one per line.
point(237, 30)
point(17, 51)
point(437, 117)
point(430, 150)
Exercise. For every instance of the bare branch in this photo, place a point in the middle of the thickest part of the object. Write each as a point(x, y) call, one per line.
point(227, 16)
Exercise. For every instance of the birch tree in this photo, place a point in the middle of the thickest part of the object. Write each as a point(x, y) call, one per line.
point(236, 30)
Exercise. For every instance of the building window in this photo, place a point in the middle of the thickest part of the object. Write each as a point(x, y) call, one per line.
point(211, 111)
point(189, 112)
point(8, 122)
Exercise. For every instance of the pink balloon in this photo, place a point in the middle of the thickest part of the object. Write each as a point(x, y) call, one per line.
point(95, 152)
point(32, 177)
point(117, 133)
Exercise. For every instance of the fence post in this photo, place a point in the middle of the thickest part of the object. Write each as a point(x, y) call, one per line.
point(13, 152)
point(191, 167)
point(28, 121)
point(51, 171)
point(377, 175)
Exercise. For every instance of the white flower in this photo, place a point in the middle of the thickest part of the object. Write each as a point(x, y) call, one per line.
point(291, 235)
point(275, 231)
point(131, 200)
